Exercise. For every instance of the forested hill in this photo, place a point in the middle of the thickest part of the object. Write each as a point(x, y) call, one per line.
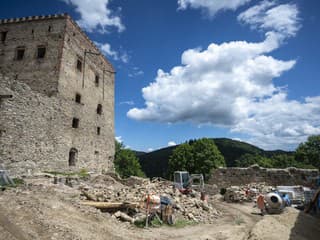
point(155, 164)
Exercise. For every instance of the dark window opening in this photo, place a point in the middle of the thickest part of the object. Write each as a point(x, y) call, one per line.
point(97, 80)
point(3, 36)
point(99, 109)
point(79, 65)
point(73, 155)
point(98, 130)
point(32, 31)
point(78, 98)
point(41, 52)
point(49, 29)
point(75, 122)
point(20, 53)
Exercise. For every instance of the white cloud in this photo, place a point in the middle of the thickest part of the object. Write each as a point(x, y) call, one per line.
point(119, 139)
point(282, 19)
point(149, 149)
point(95, 14)
point(107, 51)
point(232, 85)
point(211, 6)
point(127, 103)
point(171, 143)
point(136, 72)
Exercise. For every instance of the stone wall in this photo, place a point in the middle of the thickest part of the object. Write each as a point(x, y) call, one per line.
point(36, 125)
point(224, 177)
point(41, 74)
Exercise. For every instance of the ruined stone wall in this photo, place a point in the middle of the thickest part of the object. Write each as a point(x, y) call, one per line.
point(96, 150)
point(41, 74)
point(32, 130)
point(224, 177)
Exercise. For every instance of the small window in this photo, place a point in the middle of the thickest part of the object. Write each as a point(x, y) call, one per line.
point(49, 29)
point(20, 53)
point(99, 109)
point(3, 36)
point(79, 65)
point(41, 52)
point(75, 122)
point(78, 98)
point(97, 81)
point(98, 130)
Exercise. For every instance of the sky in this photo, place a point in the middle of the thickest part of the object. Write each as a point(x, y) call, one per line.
point(186, 69)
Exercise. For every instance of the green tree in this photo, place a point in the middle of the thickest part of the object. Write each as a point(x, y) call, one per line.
point(181, 158)
point(308, 153)
point(126, 163)
point(197, 156)
point(248, 159)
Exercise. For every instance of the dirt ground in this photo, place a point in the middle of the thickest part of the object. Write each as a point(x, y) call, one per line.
point(42, 210)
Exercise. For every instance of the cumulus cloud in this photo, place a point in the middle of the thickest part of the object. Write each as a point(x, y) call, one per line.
point(109, 52)
point(282, 19)
point(211, 6)
point(233, 85)
point(171, 143)
point(95, 14)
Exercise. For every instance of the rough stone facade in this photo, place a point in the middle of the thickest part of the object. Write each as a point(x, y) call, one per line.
point(225, 177)
point(61, 114)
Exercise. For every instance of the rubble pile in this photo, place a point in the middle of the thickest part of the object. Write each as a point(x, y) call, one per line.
point(245, 193)
point(134, 191)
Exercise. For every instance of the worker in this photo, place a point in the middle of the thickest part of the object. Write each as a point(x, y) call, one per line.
point(261, 204)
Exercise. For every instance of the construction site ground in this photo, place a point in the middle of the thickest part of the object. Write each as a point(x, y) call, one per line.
point(43, 210)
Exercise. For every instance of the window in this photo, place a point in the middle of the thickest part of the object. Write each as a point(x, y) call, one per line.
point(20, 53)
point(41, 52)
point(99, 109)
point(79, 65)
point(78, 98)
point(73, 155)
point(97, 81)
point(3, 36)
point(75, 122)
point(49, 29)
point(98, 130)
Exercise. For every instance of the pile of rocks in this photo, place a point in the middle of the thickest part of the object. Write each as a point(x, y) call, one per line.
point(105, 188)
point(245, 193)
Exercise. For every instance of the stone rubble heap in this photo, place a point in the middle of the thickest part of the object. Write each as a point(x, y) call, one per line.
point(245, 193)
point(105, 188)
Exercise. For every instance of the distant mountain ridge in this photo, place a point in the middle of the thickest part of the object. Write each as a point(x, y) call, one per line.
point(155, 164)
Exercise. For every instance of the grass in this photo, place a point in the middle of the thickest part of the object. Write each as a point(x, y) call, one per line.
point(180, 223)
point(83, 173)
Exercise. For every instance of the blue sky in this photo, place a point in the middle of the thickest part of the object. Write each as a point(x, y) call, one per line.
point(242, 69)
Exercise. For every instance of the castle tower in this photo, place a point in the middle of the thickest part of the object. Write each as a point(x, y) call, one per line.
point(56, 97)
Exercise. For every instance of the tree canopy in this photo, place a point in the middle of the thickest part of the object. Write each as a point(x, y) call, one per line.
point(308, 153)
point(197, 156)
point(126, 163)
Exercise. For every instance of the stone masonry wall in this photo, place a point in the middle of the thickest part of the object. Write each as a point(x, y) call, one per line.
point(224, 177)
point(41, 74)
point(36, 130)
point(97, 150)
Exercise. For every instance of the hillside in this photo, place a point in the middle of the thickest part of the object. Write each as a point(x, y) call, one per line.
point(155, 164)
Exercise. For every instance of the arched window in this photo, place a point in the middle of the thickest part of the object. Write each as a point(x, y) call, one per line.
point(99, 109)
point(73, 156)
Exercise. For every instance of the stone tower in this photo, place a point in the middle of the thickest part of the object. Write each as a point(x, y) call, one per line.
point(56, 97)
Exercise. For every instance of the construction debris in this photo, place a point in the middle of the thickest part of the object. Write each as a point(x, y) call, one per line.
point(130, 196)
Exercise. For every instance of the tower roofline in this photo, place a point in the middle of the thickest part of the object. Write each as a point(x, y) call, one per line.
point(57, 16)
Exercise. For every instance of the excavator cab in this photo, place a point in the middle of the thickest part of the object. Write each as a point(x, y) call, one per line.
point(186, 182)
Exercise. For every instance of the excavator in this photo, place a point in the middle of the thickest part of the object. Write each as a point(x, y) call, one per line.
point(185, 182)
